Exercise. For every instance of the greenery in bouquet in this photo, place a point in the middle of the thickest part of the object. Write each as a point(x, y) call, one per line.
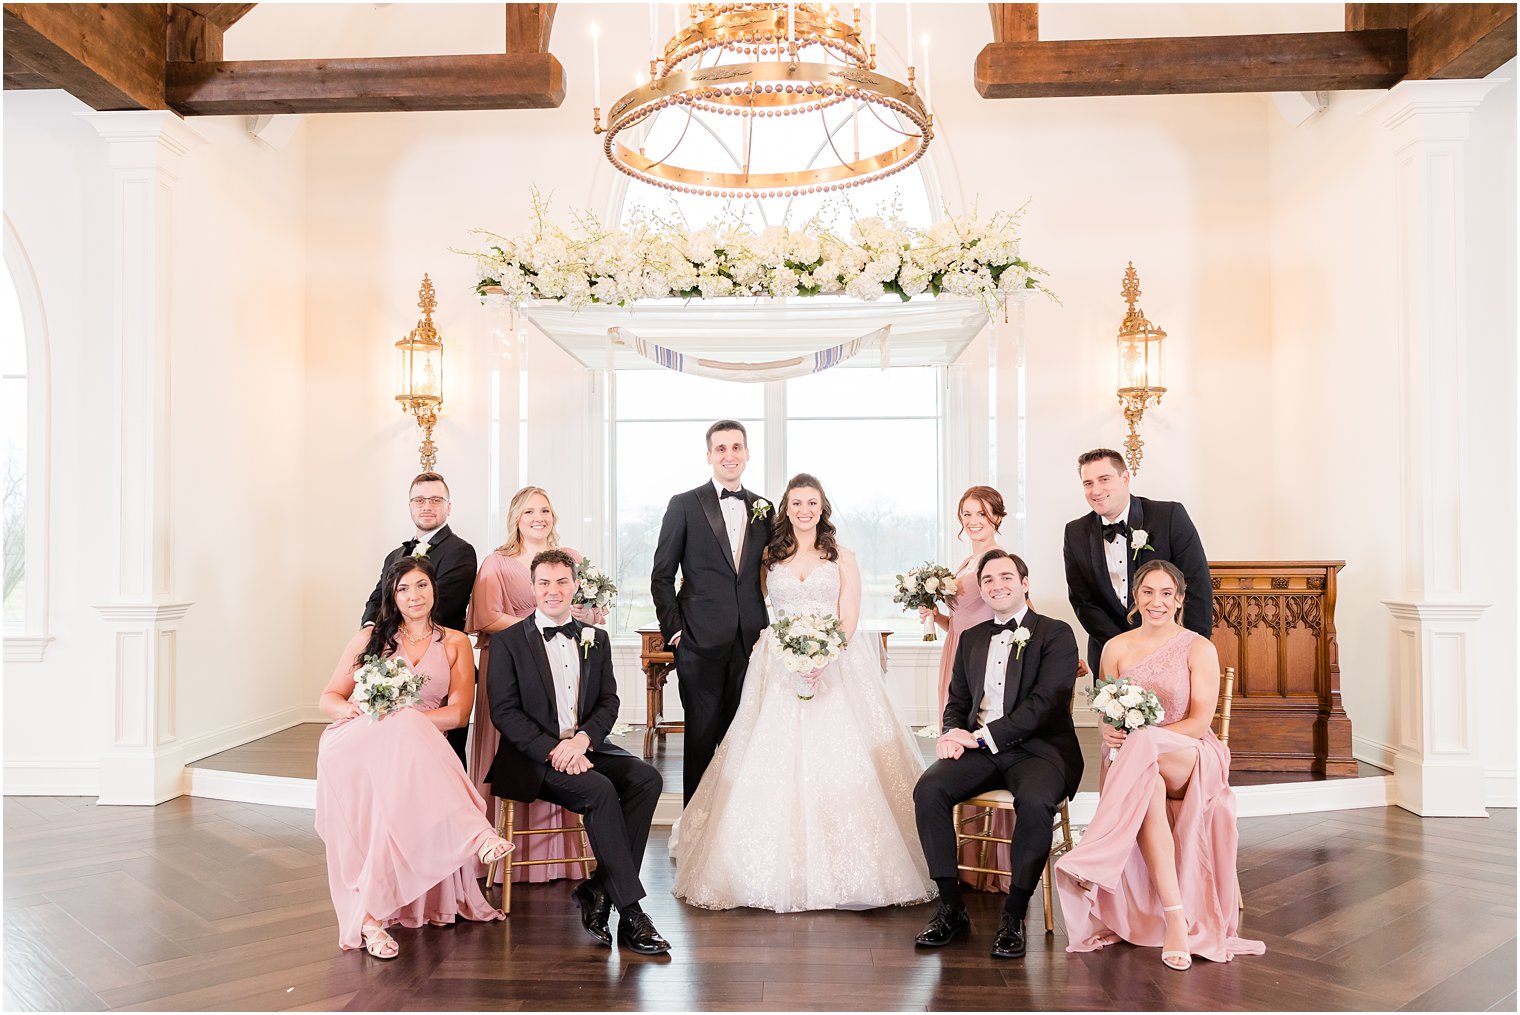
point(386, 684)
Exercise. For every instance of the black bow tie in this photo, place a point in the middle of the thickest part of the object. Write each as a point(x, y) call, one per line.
point(1012, 625)
point(1119, 528)
point(568, 630)
point(732, 493)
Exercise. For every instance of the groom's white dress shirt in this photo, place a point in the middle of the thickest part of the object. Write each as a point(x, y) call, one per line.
point(565, 668)
point(1113, 554)
point(733, 520)
point(995, 680)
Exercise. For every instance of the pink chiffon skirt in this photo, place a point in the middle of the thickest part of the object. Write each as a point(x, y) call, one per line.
point(1119, 901)
point(401, 823)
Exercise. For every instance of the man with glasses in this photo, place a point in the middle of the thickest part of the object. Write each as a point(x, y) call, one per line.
point(453, 562)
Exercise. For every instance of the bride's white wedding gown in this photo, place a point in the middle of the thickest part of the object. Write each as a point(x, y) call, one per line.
point(807, 804)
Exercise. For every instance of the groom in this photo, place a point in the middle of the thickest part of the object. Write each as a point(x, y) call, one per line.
point(1007, 726)
point(714, 535)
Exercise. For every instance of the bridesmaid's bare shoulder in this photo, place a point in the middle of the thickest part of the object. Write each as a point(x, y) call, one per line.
point(1203, 654)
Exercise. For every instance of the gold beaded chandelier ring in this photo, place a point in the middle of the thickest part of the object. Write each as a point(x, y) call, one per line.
point(767, 81)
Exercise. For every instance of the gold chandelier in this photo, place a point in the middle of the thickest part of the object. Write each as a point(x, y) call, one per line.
point(1140, 379)
point(747, 60)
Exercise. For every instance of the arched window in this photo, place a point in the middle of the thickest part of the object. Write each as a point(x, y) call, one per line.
point(840, 425)
point(23, 454)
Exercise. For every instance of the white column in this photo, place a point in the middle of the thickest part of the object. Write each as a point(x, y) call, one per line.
point(1005, 417)
point(1438, 764)
point(143, 764)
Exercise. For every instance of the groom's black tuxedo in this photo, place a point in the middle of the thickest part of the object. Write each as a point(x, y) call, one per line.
point(1172, 537)
point(1037, 759)
point(719, 612)
point(453, 561)
point(617, 796)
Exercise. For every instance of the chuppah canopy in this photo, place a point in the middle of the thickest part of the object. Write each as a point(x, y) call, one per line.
point(922, 332)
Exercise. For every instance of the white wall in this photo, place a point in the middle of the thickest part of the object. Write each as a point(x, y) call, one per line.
point(238, 437)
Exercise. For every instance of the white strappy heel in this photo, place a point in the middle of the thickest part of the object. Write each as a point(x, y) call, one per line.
point(1180, 961)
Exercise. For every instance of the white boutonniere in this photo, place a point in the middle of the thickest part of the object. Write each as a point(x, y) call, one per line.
point(422, 549)
point(759, 509)
point(1139, 540)
point(588, 639)
point(1020, 639)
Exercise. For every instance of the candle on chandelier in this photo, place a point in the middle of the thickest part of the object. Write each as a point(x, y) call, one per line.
point(873, 24)
point(908, 13)
point(596, 65)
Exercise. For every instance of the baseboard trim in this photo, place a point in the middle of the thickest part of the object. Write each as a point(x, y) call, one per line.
point(1373, 752)
point(238, 734)
point(42, 777)
point(1499, 789)
point(243, 787)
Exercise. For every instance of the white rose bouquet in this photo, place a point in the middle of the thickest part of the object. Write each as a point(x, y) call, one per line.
point(806, 643)
point(925, 587)
point(386, 684)
point(594, 588)
point(1125, 705)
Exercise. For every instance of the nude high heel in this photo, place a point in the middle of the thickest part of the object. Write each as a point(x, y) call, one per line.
point(1180, 961)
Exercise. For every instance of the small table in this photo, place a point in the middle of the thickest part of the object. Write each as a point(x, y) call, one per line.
point(657, 661)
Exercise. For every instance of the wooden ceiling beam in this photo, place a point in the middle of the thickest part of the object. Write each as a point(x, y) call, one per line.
point(192, 36)
point(529, 26)
point(1306, 61)
point(223, 16)
point(1459, 40)
point(1015, 22)
point(369, 85)
point(1366, 17)
point(109, 56)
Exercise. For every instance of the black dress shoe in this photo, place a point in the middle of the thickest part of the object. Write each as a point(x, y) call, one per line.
point(596, 908)
point(1008, 943)
point(949, 922)
point(636, 932)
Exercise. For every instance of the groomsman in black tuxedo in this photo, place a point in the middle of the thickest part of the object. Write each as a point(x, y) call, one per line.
point(554, 698)
point(1103, 548)
point(715, 535)
point(453, 562)
point(1007, 725)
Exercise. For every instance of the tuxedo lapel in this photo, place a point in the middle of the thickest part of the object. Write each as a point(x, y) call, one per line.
point(1136, 521)
point(708, 498)
point(540, 657)
point(754, 538)
point(976, 672)
point(1014, 685)
point(584, 658)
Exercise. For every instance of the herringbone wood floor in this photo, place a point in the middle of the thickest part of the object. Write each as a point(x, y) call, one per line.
point(207, 904)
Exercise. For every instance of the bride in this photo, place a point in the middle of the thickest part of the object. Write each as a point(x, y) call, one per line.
point(808, 804)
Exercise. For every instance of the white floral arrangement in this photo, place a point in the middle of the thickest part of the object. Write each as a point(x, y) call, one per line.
point(977, 258)
point(1125, 705)
point(594, 588)
point(808, 642)
point(385, 684)
point(924, 588)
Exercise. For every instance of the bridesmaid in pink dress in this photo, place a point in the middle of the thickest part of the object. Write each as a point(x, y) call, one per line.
point(1157, 864)
point(503, 596)
point(402, 825)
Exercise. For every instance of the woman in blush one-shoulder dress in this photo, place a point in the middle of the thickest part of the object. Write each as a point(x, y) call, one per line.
point(503, 596)
point(1157, 864)
point(402, 825)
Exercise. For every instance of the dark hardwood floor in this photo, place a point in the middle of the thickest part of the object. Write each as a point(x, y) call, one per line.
point(209, 904)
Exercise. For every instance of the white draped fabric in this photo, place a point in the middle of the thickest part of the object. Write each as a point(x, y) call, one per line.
point(772, 370)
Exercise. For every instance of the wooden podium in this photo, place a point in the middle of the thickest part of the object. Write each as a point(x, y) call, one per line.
point(1274, 621)
point(657, 661)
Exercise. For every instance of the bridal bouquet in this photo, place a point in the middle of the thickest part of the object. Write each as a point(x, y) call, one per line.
point(925, 587)
point(808, 642)
point(1125, 706)
point(386, 684)
point(594, 588)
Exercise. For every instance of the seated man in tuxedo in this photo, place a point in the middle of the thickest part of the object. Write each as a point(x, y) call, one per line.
point(1007, 726)
point(453, 562)
point(554, 699)
point(1103, 548)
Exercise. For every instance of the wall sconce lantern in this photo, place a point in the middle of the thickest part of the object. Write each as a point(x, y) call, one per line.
point(1140, 375)
point(420, 374)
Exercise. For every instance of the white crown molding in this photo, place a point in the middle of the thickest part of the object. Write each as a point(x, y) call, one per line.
point(22, 648)
point(143, 613)
point(1429, 612)
point(1410, 99)
point(163, 126)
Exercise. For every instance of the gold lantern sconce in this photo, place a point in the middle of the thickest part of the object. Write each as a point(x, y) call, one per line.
point(1140, 377)
point(419, 381)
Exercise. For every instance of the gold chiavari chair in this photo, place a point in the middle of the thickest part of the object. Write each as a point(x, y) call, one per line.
point(1222, 717)
point(505, 827)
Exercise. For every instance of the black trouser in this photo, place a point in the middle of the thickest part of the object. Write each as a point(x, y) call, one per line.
point(1038, 787)
point(617, 799)
point(710, 682)
point(457, 739)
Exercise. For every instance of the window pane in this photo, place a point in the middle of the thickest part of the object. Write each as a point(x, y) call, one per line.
point(14, 417)
point(864, 391)
point(890, 516)
point(656, 461)
point(665, 394)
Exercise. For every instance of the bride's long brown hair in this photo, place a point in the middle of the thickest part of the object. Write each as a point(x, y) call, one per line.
point(784, 541)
